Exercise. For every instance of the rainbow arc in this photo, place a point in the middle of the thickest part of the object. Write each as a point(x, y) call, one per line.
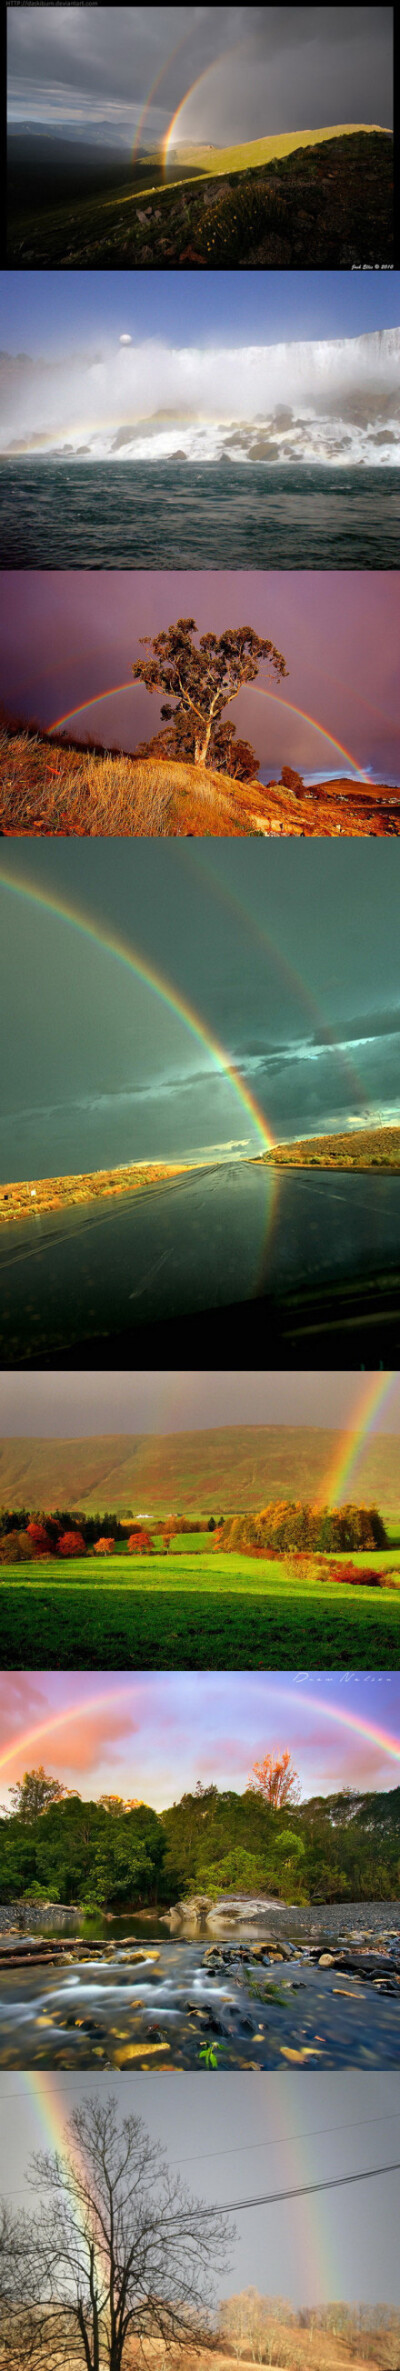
point(376, 1390)
point(115, 945)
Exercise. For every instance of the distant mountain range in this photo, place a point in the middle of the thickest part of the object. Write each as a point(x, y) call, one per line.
point(230, 1468)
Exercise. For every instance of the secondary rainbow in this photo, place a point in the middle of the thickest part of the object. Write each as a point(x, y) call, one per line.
point(156, 85)
point(195, 86)
point(119, 948)
point(311, 2217)
point(376, 1389)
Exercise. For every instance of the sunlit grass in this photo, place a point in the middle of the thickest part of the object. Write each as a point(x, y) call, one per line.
point(262, 152)
point(196, 1610)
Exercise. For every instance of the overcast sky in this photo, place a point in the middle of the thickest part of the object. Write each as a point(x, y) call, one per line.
point(69, 1405)
point(114, 76)
point(278, 2132)
point(69, 636)
point(153, 1735)
point(287, 955)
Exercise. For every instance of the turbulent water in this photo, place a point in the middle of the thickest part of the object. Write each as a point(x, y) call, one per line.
point(174, 2002)
point(219, 1236)
point(183, 514)
point(324, 398)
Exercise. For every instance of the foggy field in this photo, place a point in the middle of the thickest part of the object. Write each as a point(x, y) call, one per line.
point(197, 1611)
point(270, 202)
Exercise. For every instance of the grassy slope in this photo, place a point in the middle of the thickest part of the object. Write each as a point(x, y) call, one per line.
point(227, 1469)
point(50, 787)
point(60, 1193)
point(276, 145)
point(231, 1614)
point(351, 222)
point(363, 1148)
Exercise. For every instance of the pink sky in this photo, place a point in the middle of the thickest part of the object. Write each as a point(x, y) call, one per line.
point(69, 636)
point(153, 1735)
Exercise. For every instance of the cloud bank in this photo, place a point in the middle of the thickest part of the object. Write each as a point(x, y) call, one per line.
point(237, 73)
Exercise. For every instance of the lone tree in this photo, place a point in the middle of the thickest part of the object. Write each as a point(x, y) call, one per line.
point(276, 1780)
point(204, 679)
point(226, 754)
point(118, 2251)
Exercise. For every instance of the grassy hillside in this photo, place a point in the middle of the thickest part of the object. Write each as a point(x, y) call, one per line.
point(51, 787)
point(316, 197)
point(229, 1468)
point(57, 788)
point(361, 1148)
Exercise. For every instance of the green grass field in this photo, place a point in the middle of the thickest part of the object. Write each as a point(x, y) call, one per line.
point(262, 152)
point(196, 1612)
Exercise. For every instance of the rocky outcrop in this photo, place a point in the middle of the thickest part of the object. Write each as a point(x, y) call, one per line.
point(202, 1910)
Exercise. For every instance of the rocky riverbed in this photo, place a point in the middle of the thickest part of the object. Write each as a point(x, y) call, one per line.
point(321, 2000)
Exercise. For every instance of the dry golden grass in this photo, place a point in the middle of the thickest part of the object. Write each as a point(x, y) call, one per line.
point(361, 1148)
point(287, 2349)
point(48, 787)
point(22, 1200)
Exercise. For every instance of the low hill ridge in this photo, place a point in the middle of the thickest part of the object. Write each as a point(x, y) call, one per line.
point(227, 1469)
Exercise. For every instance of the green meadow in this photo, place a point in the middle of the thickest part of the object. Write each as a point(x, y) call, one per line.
point(196, 1609)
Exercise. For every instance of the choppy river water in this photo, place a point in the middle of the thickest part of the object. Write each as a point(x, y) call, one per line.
point(331, 1999)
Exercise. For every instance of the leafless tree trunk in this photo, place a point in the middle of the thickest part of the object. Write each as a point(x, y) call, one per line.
point(118, 2251)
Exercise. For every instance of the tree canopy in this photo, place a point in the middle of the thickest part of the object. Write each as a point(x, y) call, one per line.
point(116, 2251)
point(203, 677)
point(114, 1853)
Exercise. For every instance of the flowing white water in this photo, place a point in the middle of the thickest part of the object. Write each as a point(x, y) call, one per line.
point(325, 400)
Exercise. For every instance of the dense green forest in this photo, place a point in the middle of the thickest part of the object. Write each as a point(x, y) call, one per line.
point(104, 1853)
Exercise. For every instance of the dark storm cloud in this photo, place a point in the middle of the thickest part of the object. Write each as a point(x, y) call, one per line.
point(319, 64)
point(362, 1026)
point(273, 948)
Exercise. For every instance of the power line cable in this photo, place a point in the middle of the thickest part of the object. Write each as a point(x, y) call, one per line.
point(337, 2181)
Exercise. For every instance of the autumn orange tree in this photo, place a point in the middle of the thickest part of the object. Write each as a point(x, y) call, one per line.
point(203, 678)
point(276, 1780)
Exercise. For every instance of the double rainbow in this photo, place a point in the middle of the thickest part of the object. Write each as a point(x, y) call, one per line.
point(115, 945)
